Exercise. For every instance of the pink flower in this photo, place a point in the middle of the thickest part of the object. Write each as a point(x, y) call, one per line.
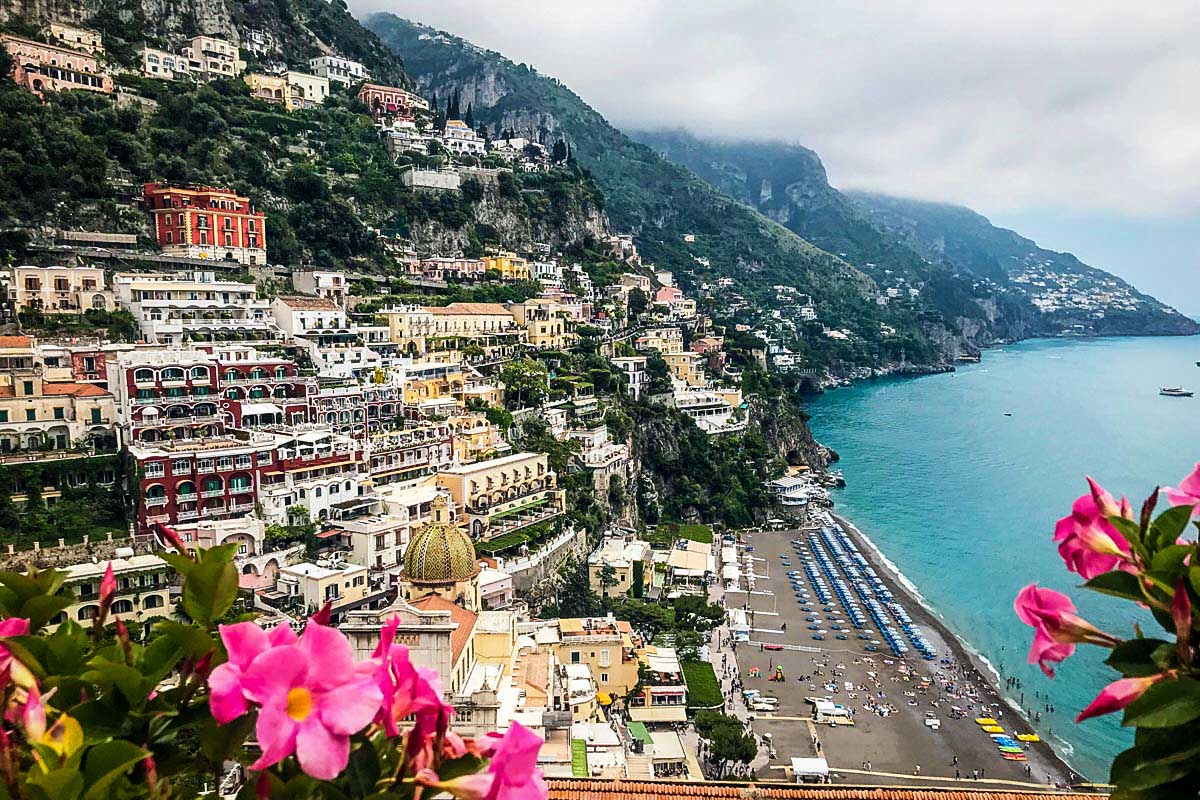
point(173, 539)
point(513, 773)
point(312, 699)
point(1088, 542)
point(108, 587)
point(13, 626)
point(33, 716)
point(1057, 628)
point(407, 690)
point(1187, 493)
point(243, 642)
point(1117, 695)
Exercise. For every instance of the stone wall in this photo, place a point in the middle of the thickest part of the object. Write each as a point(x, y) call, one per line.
point(537, 567)
point(62, 554)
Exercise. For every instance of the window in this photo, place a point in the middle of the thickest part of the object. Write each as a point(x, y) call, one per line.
point(604, 658)
point(4, 416)
point(604, 677)
point(28, 387)
point(30, 415)
point(574, 656)
point(96, 416)
point(155, 469)
point(181, 466)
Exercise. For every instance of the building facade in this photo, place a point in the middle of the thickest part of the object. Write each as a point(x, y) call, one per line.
point(205, 222)
point(59, 289)
point(42, 68)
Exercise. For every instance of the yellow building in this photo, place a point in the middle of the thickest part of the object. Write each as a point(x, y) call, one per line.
point(440, 560)
point(547, 322)
point(664, 340)
point(304, 90)
point(440, 387)
point(39, 415)
point(269, 88)
point(505, 494)
point(418, 330)
point(510, 266)
point(474, 437)
point(142, 590)
point(317, 585)
point(632, 567)
point(59, 289)
point(687, 367)
point(606, 646)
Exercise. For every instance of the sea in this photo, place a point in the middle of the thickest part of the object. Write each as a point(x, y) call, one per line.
point(959, 478)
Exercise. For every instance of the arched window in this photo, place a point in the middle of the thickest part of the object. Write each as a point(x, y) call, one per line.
point(258, 372)
point(317, 492)
point(122, 607)
point(144, 376)
point(231, 375)
point(172, 374)
point(153, 601)
point(98, 302)
point(281, 372)
point(88, 612)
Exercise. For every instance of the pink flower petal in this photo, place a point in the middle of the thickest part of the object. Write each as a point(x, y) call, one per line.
point(282, 635)
point(273, 673)
point(225, 697)
point(351, 706)
point(243, 642)
point(276, 733)
point(14, 626)
point(1117, 695)
point(329, 656)
point(322, 754)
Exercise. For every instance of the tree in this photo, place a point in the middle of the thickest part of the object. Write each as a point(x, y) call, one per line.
point(559, 153)
point(694, 613)
point(728, 741)
point(608, 578)
point(638, 301)
point(525, 383)
point(573, 595)
point(659, 375)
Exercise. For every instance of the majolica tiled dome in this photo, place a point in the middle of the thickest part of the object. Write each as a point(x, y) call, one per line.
point(440, 552)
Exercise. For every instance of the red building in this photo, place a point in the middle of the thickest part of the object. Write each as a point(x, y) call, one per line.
point(203, 222)
point(390, 101)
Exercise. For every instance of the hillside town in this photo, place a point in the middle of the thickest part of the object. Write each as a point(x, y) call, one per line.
point(448, 447)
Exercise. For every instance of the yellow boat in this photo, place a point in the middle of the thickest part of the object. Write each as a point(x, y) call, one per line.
point(992, 729)
point(985, 720)
point(1028, 737)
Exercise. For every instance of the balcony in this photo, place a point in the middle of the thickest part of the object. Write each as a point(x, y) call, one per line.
point(174, 383)
point(151, 502)
point(212, 511)
point(213, 492)
point(192, 420)
point(158, 518)
point(240, 507)
point(185, 516)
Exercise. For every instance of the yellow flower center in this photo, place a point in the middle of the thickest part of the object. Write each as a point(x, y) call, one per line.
point(299, 703)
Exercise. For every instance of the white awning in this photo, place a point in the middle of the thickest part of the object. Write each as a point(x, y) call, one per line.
point(667, 746)
point(810, 766)
point(659, 714)
point(260, 408)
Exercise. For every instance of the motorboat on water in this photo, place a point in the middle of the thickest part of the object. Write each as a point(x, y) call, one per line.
point(1178, 391)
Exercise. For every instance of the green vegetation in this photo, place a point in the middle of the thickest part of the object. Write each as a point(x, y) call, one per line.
point(703, 689)
point(667, 533)
point(728, 741)
point(117, 326)
point(91, 500)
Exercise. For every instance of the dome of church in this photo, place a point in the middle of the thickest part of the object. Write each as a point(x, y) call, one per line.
point(440, 552)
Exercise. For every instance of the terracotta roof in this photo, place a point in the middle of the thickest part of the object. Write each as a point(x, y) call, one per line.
point(74, 389)
point(598, 789)
point(464, 619)
point(537, 671)
point(468, 308)
point(309, 303)
point(16, 341)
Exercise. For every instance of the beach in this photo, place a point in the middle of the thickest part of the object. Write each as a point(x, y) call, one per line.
point(890, 742)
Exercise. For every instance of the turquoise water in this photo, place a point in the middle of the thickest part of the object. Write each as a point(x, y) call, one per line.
point(963, 499)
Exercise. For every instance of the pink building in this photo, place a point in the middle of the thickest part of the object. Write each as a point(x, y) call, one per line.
point(42, 68)
point(668, 295)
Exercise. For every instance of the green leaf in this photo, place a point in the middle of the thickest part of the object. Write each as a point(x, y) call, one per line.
point(1116, 583)
point(1169, 562)
point(1170, 525)
point(105, 763)
point(1166, 704)
point(1134, 658)
point(362, 770)
point(110, 673)
point(209, 591)
point(159, 658)
point(193, 641)
point(219, 742)
point(1130, 770)
point(42, 608)
point(58, 784)
point(221, 553)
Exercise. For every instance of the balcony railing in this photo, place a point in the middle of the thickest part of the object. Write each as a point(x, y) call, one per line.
point(213, 492)
point(155, 501)
point(237, 507)
point(212, 511)
point(183, 516)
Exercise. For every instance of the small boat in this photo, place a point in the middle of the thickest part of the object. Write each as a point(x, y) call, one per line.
point(1178, 391)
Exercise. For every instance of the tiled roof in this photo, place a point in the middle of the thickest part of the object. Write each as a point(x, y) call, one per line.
point(16, 341)
point(74, 389)
point(309, 303)
point(468, 308)
point(594, 789)
point(464, 619)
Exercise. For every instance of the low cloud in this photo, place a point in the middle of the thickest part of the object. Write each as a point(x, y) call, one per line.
point(1085, 107)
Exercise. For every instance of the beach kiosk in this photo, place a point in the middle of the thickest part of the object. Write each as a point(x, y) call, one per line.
point(810, 770)
point(828, 712)
point(739, 626)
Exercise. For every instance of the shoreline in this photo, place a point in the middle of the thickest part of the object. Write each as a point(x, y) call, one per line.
point(961, 650)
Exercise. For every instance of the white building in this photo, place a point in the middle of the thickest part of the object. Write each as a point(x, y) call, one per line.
point(459, 139)
point(163, 64)
point(172, 308)
point(210, 58)
point(304, 90)
point(634, 368)
point(322, 283)
point(59, 289)
point(332, 341)
point(339, 70)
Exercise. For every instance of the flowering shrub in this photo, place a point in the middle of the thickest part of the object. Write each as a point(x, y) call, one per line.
point(90, 713)
point(1148, 560)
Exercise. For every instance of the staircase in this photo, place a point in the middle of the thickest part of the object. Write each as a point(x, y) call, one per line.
point(639, 767)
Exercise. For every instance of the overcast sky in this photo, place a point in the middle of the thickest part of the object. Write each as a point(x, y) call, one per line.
point(1064, 120)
